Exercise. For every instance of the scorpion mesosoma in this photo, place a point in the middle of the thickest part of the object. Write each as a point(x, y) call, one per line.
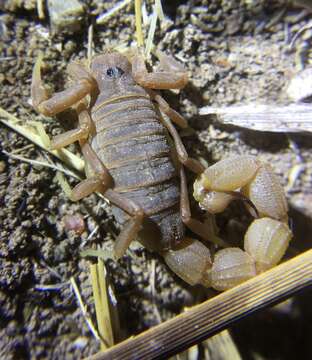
point(129, 158)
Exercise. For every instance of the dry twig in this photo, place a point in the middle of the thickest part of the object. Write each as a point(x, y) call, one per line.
point(83, 309)
point(208, 318)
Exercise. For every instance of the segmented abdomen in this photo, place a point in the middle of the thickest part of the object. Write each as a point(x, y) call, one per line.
point(133, 144)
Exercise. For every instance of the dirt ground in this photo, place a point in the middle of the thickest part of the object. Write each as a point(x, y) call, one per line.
point(236, 52)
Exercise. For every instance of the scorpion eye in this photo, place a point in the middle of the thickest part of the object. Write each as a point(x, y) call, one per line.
point(114, 72)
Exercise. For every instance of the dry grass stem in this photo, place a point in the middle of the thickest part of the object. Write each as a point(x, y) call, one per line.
point(221, 347)
point(40, 163)
point(31, 133)
point(83, 309)
point(40, 9)
point(151, 32)
point(90, 45)
point(102, 19)
point(51, 287)
point(159, 10)
point(60, 178)
point(152, 281)
point(102, 305)
point(103, 254)
point(138, 22)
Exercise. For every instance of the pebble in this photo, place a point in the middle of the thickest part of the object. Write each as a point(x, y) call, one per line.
point(66, 16)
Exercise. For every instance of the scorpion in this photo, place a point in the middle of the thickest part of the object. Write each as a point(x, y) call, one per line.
point(135, 157)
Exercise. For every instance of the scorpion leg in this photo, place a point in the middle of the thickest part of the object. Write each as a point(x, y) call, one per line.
point(173, 115)
point(100, 180)
point(49, 106)
point(82, 133)
point(132, 227)
point(174, 76)
point(183, 157)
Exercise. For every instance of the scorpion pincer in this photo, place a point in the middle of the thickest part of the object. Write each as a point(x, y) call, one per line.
point(129, 158)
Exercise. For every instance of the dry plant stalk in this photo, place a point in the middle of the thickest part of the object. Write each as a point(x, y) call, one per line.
point(151, 32)
point(138, 22)
point(102, 305)
point(40, 9)
point(30, 133)
point(290, 118)
point(102, 19)
point(83, 308)
point(222, 347)
point(208, 318)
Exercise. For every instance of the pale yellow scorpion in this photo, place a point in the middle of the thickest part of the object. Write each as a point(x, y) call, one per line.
point(125, 142)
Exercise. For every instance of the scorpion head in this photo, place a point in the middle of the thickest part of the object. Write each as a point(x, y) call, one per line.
point(112, 70)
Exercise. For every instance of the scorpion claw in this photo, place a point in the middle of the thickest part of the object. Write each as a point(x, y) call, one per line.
point(38, 91)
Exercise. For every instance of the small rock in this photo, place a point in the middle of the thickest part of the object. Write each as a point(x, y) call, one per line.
point(75, 222)
point(2, 165)
point(66, 16)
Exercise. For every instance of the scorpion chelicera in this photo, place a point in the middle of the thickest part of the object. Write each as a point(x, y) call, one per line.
point(129, 158)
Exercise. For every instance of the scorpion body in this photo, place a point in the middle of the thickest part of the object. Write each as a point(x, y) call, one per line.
point(134, 146)
point(127, 146)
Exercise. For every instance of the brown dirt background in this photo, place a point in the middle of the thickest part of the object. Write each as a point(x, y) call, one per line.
point(236, 54)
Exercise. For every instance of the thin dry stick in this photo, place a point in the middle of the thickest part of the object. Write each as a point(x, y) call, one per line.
point(151, 32)
point(105, 299)
point(102, 310)
point(152, 280)
point(69, 158)
point(101, 19)
point(22, 149)
point(83, 309)
point(98, 303)
point(40, 9)
point(138, 22)
point(159, 10)
point(90, 48)
point(208, 318)
point(222, 347)
point(40, 163)
point(60, 178)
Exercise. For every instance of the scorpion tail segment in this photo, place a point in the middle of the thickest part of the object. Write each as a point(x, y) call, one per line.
point(267, 194)
point(231, 267)
point(38, 91)
point(266, 241)
point(191, 261)
point(250, 205)
point(265, 244)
